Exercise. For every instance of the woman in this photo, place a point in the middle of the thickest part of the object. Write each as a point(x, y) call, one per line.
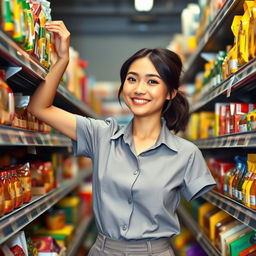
point(140, 169)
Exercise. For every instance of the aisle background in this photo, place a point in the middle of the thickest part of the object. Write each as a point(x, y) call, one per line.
point(106, 32)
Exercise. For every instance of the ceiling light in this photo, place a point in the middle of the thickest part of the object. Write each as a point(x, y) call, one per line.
point(143, 5)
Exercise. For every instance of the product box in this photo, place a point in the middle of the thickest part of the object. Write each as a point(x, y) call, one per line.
point(225, 234)
point(223, 128)
point(206, 124)
point(70, 205)
point(214, 219)
point(217, 123)
point(236, 111)
point(241, 243)
point(250, 251)
point(63, 236)
point(203, 209)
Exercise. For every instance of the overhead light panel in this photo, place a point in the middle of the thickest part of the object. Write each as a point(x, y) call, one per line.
point(143, 5)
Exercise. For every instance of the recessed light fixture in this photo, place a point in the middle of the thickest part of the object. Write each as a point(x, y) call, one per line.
point(143, 5)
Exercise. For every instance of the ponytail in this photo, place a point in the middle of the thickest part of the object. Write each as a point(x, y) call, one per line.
point(176, 113)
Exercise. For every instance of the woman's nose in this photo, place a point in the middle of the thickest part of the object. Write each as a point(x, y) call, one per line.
point(140, 88)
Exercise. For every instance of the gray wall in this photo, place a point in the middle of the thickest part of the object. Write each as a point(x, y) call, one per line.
point(106, 53)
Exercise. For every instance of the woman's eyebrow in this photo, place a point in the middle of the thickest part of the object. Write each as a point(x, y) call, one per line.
point(149, 75)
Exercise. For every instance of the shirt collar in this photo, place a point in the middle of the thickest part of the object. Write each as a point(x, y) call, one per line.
point(165, 137)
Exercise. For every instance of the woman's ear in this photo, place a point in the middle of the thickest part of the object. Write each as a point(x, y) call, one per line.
point(171, 95)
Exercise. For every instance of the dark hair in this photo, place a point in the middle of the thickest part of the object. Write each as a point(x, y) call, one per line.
point(168, 64)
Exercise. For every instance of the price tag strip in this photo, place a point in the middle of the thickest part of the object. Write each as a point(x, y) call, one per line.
point(232, 207)
point(18, 219)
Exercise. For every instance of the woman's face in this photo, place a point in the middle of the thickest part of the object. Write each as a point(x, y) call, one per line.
point(144, 91)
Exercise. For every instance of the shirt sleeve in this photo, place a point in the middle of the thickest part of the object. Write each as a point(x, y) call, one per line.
point(198, 178)
point(89, 133)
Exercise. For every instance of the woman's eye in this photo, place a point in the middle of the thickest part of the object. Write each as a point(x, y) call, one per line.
point(131, 79)
point(153, 82)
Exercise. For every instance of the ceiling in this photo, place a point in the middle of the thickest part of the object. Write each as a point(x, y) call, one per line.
point(118, 16)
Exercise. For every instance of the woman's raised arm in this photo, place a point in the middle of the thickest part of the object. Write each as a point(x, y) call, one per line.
point(41, 101)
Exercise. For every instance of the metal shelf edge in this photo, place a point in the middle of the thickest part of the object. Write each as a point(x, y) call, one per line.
point(15, 222)
point(10, 136)
point(235, 209)
point(235, 80)
point(235, 140)
point(16, 54)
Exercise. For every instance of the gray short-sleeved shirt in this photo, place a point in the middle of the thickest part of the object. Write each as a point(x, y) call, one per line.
point(135, 197)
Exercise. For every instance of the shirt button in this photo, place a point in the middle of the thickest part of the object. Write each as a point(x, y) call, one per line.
point(135, 172)
point(124, 227)
point(129, 200)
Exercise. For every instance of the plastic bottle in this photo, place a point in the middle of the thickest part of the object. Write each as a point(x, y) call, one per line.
point(238, 175)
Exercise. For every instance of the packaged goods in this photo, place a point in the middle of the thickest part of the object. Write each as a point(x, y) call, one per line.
point(206, 124)
point(241, 243)
point(8, 194)
point(24, 175)
point(250, 251)
point(223, 229)
point(71, 207)
point(32, 250)
point(247, 181)
point(63, 236)
point(214, 219)
point(229, 232)
point(46, 244)
point(2, 198)
point(8, 22)
point(18, 245)
point(42, 177)
point(238, 242)
point(85, 193)
point(202, 210)
point(236, 111)
point(55, 219)
point(17, 189)
point(6, 101)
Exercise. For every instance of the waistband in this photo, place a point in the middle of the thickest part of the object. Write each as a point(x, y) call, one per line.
point(151, 246)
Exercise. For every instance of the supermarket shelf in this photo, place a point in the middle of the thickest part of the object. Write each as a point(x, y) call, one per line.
point(12, 54)
point(18, 219)
point(18, 137)
point(202, 239)
point(232, 207)
point(25, 73)
point(216, 36)
point(69, 102)
point(79, 236)
point(236, 140)
point(243, 77)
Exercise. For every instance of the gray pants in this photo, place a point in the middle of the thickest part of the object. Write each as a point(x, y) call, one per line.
point(105, 246)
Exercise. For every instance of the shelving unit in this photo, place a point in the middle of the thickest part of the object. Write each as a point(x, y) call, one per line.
point(18, 219)
point(216, 36)
point(244, 80)
point(236, 140)
point(239, 87)
point(79, 236)
point(18, 137)
point(24, 73)
point(234, 208)
point(202, 239)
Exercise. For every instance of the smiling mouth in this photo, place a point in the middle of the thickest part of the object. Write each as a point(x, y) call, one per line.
point(137, 101)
